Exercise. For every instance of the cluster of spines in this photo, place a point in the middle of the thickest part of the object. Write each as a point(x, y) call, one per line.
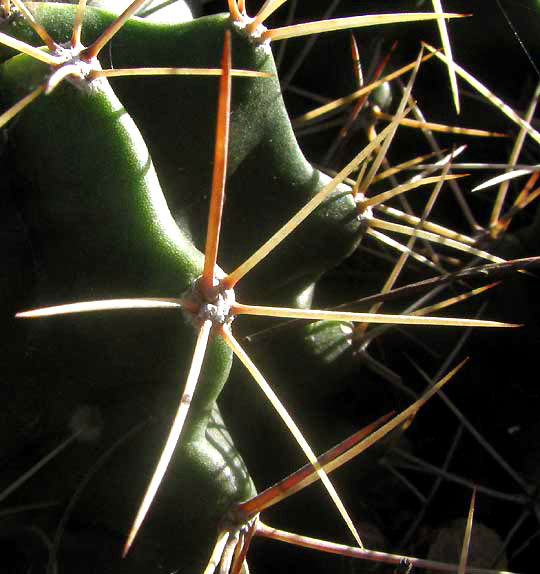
point(208, 280)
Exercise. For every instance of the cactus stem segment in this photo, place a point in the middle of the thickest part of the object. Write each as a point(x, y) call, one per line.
point(215, 303)
point(174, 434)
point(94, 49)
point(233, 277)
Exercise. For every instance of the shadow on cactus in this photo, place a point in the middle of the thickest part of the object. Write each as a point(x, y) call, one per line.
point(96, 213)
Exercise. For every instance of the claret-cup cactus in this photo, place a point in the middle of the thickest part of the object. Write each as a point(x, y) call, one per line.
point(158, 194)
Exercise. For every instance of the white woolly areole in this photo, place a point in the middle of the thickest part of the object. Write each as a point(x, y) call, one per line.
point(217, 308)
point(367, 213)
point(255, 37)
point(218, 311)
point(75, 70)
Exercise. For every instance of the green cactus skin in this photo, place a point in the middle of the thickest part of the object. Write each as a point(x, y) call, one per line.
point(103, 188)
point(133, 398)
point(108, 166)
point(95, 210)
point(153, 10)
point(262, 143)
point(269, 178)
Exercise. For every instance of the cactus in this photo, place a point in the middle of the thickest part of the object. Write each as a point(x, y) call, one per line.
point(115, 209)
